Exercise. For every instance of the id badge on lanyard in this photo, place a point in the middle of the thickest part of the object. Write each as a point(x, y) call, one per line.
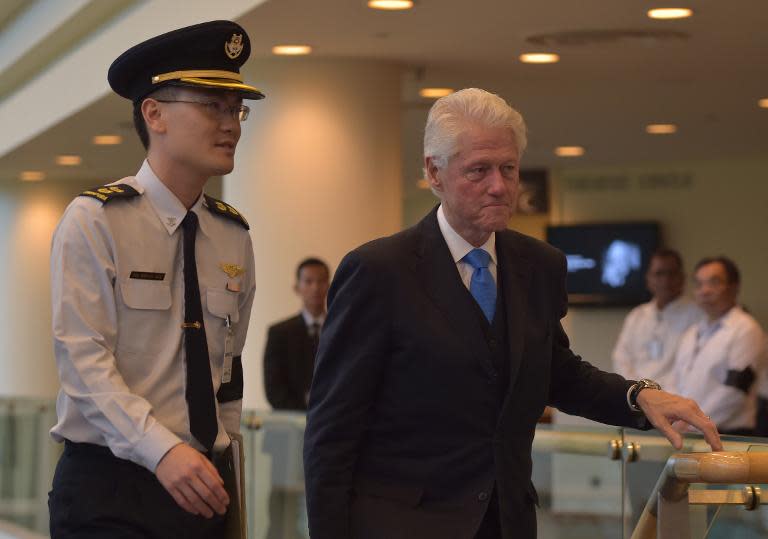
point(226, 371)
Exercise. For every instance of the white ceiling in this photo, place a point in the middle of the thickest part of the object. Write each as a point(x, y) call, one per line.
point(705, 74)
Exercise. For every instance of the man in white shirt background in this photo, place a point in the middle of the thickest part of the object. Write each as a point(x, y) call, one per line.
point(651, 332)
point(719, 358)
point(647, 345)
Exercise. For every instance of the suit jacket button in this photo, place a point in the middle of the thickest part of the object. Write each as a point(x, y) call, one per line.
point(482, 496)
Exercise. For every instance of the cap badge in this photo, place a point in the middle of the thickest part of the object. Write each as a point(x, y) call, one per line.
point(234, 46)
point(233, 270)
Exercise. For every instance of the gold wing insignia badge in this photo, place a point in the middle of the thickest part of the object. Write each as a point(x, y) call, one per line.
point(233, 270)
point(234, 46)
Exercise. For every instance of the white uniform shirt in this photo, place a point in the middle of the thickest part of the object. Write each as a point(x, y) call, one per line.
point(649, 338)
point(712, 367)
point(460, 247)
point(118, 304)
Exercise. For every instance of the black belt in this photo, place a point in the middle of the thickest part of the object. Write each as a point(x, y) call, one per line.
point(218, 458)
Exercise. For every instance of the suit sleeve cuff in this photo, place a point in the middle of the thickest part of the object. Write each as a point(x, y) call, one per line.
point(153, 447)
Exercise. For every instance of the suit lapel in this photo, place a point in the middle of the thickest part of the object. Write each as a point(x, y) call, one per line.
point(441, 281)
point(515, 271)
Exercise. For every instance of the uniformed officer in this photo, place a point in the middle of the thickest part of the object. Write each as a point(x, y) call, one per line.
point(152, 287)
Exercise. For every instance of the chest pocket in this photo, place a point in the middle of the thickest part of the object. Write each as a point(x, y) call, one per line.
point(139, 294)
point(223, 303)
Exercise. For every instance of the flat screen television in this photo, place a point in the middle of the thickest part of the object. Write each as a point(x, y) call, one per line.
point(607, 262)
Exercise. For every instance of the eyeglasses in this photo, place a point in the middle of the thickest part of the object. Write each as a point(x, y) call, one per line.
point(217, 109)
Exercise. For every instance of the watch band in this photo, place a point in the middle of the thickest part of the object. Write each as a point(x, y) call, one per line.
point(635, 389)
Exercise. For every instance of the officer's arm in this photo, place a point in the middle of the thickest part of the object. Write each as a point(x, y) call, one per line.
point(85, 323)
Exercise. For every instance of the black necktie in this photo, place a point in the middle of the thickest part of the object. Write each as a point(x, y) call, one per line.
point(314, 335)
point(202, 408)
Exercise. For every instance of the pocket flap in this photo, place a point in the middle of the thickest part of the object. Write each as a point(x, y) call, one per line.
point(146, 294)
point(223, 303)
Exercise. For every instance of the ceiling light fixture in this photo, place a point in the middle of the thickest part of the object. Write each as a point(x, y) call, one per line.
point(539, 58)
point(569, 151)
point(668, 13)
point(107, 140)
point(435, 93)
point(291, 50)
point(660, 129)
point(68, 160)
point(763, 103)
point(32, 176)
point(390, 5)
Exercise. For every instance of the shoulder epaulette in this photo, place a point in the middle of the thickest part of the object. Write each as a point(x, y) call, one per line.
point(106, 193)
point(225, 210)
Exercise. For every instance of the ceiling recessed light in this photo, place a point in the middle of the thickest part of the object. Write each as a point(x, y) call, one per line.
point(660, 129)
point(423, 183)
point(32, 176)
point(390, 5)
point(569, 151)
point(539, 58)
point(434, 93)
point(667, 13)
point(107, 140)
point(68, 160)
point(763, 103)
point(291, 50)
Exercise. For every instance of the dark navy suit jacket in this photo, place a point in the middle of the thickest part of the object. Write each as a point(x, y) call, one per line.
point(405, 438)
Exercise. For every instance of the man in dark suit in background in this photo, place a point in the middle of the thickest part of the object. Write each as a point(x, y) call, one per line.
point(289, 357)
point(442, 347)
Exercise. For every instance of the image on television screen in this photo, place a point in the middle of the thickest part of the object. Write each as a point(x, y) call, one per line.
point(606, 262)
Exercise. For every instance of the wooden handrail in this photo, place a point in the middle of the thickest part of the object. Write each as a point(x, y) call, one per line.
point(723, 468)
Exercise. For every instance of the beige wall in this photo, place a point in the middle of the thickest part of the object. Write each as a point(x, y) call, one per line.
point(318, 174)
point(28, 215)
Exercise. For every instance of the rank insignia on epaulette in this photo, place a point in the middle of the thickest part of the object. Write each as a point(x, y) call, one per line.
point(108, 192)
point(225, 210)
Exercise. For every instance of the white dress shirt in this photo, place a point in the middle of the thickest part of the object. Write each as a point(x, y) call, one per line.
point(460, 247)
point(649, 338)
point(118, 339)
point(709, 357)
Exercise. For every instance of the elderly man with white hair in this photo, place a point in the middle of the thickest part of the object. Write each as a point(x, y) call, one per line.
point(441, 348)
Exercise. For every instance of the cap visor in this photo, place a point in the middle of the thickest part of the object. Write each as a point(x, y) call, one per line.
point(246, 91)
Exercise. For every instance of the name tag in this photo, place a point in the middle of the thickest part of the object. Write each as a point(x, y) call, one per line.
point(147, 275)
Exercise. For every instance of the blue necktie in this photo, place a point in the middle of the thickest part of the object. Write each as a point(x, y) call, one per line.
point(482, 287)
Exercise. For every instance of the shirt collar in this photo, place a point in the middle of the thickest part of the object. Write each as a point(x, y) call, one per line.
point(669, 307)
point(309, 319)
point(707, 328)
point(458, 246)
point(167, 206)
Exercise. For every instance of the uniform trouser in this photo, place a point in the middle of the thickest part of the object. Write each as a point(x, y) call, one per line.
point(97, 495)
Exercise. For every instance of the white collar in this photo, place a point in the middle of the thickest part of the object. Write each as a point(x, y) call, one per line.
point(708, 328)
point(167, 206)
point(458, 246)
point(309, 319)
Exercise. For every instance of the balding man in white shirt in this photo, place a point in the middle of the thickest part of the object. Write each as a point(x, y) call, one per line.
point(720, 358)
